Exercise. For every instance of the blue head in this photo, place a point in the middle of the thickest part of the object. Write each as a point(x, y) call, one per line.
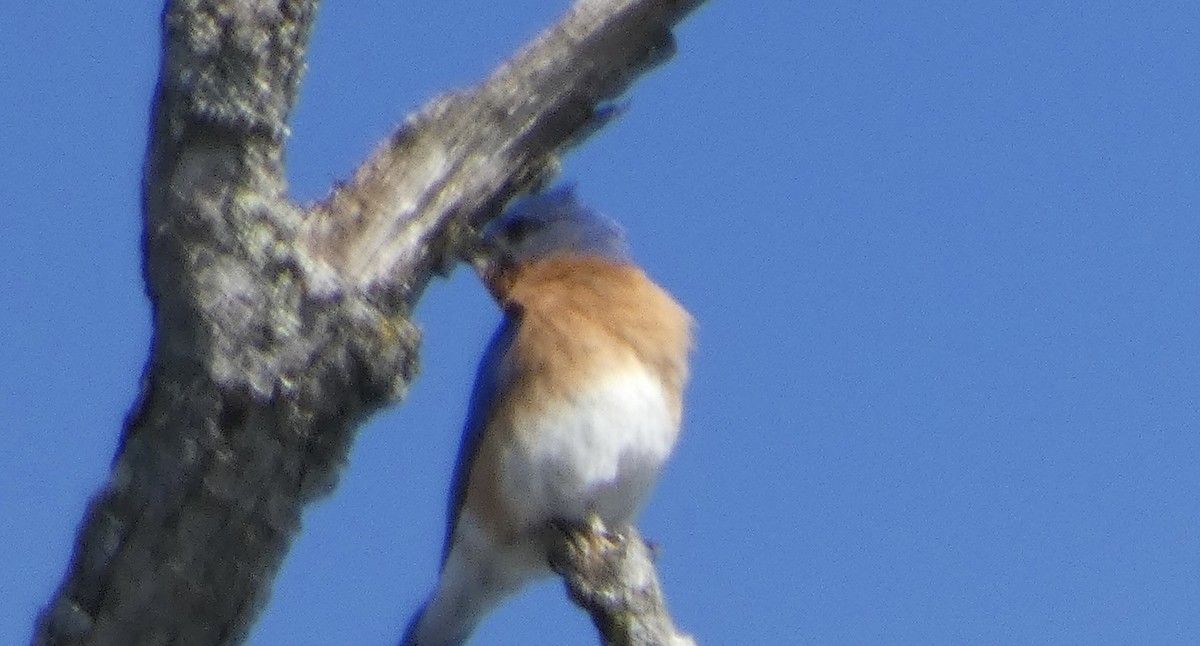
point(550, 224)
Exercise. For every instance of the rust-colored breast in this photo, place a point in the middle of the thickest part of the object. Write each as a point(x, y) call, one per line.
point(581, 319)
point(584, 315)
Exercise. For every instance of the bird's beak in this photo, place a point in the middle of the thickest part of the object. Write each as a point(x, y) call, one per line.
point(481, 255)
point(487, 256)
point(484, 255)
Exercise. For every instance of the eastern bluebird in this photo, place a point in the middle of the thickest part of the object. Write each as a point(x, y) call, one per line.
point(576, 406)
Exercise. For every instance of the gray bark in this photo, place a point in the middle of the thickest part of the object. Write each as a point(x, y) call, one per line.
point(278, 329)
point(611, 575)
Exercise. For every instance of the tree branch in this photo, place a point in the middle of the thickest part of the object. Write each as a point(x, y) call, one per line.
point(611, 576)
point(279, 329)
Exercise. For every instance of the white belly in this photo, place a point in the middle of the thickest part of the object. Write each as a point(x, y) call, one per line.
point(600, 451)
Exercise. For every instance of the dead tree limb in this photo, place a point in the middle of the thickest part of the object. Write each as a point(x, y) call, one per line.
point(277, 328)
point(611, 576)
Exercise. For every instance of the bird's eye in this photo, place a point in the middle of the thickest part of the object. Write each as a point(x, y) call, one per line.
point(518, 230)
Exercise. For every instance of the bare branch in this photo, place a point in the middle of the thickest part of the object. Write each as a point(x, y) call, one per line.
point(277, 329)
point(465, 155)
point(612, 577)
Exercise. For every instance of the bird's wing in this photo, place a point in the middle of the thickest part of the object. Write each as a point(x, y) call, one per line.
point(483, 399)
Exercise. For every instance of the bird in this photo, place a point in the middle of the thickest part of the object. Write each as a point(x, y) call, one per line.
point(577, 404)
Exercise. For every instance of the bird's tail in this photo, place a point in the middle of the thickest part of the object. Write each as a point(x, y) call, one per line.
point(432, 625)
point(477, 575)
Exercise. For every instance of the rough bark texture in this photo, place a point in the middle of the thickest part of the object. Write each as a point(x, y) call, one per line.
point(278, 329)
point(611, 576)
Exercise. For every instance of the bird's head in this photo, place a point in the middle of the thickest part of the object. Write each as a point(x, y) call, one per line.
point(544, 226)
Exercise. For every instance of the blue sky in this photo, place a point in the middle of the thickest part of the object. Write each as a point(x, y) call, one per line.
point(944, 259)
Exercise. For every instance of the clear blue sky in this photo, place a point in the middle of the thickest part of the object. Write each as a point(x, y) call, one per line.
point(944, 257)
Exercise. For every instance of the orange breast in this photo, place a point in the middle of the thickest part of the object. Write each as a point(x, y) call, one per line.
point(580, 318)
point(582, 315)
